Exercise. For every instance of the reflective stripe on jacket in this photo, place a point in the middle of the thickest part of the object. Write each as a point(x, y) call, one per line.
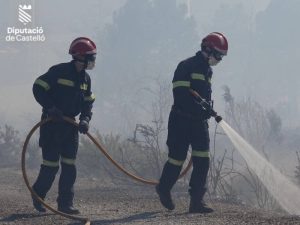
point(192, 73)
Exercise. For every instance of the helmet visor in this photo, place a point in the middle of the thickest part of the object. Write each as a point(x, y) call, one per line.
point(217, 55)
point(90, 57)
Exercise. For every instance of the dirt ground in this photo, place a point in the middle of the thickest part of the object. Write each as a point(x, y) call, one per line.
point(110, 204)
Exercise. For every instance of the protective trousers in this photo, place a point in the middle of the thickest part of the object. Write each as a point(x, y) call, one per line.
point(59, 142)
point(183, 131)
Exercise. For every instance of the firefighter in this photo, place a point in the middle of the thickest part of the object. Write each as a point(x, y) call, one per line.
point(65, 90)
point(188, 122)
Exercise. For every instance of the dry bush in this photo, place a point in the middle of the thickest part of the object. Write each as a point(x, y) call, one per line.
point(259, 127)
point(143, 154)
point(10, 145)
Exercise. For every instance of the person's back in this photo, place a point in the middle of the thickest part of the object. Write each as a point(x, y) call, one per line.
point(192, 73)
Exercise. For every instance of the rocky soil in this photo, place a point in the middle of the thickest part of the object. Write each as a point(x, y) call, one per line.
point(135, 204)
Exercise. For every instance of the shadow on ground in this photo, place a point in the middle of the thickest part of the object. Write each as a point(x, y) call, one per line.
point(139, 216)
point(19, 216)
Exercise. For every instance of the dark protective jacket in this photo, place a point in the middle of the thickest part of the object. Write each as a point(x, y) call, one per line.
point(192, 73)
point(63, 87)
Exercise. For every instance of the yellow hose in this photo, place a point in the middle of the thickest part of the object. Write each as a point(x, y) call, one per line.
point(86, 220)
point(101, 148)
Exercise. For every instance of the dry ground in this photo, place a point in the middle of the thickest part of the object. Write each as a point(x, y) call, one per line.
point(108, 204)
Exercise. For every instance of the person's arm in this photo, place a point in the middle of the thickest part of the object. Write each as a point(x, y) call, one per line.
point(181, 85)
point(86, 112)
point(42, 88)
point(89, 98)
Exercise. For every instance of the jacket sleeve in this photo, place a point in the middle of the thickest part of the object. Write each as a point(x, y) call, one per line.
point(89, 98)
point(181, 85)
point(43, 87)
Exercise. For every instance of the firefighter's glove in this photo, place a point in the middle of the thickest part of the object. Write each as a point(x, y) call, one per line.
point(55, 113)
point(218, 118)
point(83, 126)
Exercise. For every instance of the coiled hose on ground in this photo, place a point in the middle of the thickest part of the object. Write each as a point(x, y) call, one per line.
point(101, 148)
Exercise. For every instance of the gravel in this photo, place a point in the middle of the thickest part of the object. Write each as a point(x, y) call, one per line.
point(137, 204)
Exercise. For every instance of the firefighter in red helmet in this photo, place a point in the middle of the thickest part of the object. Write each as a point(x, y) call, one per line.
point(65, 90)
point(188, 122)
point(215, 46)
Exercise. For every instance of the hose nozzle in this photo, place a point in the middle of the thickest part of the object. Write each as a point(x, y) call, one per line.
point(215, 115)
point(218, 119)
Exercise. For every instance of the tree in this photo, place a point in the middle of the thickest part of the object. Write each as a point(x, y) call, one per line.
point(145, 42)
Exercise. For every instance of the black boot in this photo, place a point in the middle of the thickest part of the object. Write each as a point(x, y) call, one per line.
point(199, 207)
point(197, 204)
point(167, 180)
point(68, 209)
point(43, 184)
point(37, 205)
point(66, 190)
point(165, 198)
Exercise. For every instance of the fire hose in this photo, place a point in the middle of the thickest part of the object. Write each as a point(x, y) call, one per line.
point(101, 148)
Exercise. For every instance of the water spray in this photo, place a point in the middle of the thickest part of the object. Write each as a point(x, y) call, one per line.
point(282, 189)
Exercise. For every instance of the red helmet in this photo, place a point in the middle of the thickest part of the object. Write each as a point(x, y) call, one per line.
point(215, 41)
point(82, 46)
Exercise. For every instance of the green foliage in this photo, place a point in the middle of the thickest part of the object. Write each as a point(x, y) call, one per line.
point(9, 146)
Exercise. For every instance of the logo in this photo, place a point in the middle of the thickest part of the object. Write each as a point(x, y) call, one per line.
point(24, 15)
point(25, 33)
